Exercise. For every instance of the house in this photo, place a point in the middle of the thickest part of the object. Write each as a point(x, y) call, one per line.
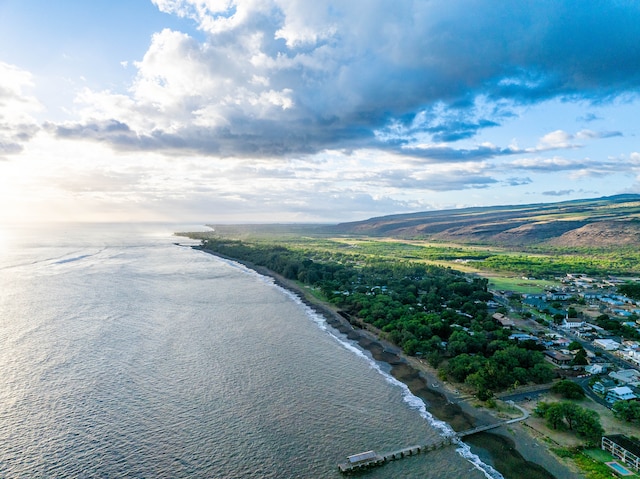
point(623, 448)
point(504, 321)
point(572, 323)
point(621, 393)
point(634, 357)
point(522, 337)
point(606, 344)
point(558, 358)
point(558, 296)
point(603, 386)
point(631, 355)
point(612, 301)
point(591, 295)
point(626, 376)
point(534, 296)
point(596, 368)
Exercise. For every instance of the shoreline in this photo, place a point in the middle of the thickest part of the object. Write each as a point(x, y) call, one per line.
point(509, 449)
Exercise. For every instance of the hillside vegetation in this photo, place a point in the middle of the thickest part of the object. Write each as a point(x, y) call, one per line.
point(596, 237)
point(602, 222)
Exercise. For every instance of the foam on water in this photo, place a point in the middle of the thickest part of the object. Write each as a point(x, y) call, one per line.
point(143, 359)
point(409, 398)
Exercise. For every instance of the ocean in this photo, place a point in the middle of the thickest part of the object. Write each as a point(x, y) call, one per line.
point(125, 355)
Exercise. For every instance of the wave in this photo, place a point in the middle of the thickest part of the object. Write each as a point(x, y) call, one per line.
point(71, 260)
point(409, 398)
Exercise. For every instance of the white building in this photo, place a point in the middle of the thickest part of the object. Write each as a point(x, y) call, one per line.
point(596, 368)
point(626, 376)
point(622, 393)
point(572, 323)
point(631, 355)
point(606, 344)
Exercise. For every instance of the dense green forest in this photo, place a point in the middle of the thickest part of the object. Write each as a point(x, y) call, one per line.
point(430, 311)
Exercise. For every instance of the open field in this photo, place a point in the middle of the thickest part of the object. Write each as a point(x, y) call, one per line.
point(519, 285)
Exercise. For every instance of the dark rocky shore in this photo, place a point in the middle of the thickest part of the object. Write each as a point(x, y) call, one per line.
point(496, 448)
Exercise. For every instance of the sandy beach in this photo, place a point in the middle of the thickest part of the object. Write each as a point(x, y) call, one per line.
point(514, 450)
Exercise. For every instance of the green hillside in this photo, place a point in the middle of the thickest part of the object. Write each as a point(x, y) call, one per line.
point(609, 221)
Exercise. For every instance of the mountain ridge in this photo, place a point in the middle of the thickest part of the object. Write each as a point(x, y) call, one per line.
point(605, 221)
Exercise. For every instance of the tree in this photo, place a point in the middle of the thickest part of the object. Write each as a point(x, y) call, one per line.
point(571, 414)
point(580, 358)
point(411, 346)
point(628, 411)
point(631, 290)
point(588, 426)
point(568, 389)
point(573, 345)
point(541, 373)
point(553, 414)
point(565, 415)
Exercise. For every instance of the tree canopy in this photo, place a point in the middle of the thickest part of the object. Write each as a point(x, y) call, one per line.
point(569, 416)
point(434, 312)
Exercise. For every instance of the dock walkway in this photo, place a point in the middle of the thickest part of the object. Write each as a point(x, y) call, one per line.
point(369, 459)
point(366, 460)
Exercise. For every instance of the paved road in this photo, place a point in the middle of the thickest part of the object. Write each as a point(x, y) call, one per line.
point(584, 382)
point(525, 396)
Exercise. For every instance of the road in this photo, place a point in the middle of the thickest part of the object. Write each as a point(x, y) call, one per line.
point(526, 395)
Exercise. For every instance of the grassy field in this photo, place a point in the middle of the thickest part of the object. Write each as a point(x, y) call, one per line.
point(519, 285)
point(506, 268)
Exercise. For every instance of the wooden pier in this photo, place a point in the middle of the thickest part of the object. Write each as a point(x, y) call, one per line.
point(366, 460)
point(369, 459)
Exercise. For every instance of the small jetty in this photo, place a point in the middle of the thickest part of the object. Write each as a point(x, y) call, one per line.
point(369, 459)
point(366, 460)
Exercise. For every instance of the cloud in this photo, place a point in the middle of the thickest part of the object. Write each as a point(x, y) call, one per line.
point(560, 139)
point(578, 168)
point(555, 139)
point(283, 77)
point(17, 124)
point(590, 134)
point(589, 117)
point(446, 154)
point(518, 181)
point(558, 193)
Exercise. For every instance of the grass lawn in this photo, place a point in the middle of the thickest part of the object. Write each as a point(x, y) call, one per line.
point(599, 455)
point(594, 462)
point(519, 285)
point(594, 469)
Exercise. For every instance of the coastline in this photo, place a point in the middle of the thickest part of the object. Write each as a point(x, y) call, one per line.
point(512, 449)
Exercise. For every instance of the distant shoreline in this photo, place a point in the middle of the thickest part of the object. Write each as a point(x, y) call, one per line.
point(442, 402)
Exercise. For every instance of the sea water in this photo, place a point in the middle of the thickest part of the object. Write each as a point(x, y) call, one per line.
point(123, 354)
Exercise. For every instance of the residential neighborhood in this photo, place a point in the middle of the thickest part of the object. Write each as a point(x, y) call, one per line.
point(587, 329)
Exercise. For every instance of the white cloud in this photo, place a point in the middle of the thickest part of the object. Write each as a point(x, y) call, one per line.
point(17, 124)
point(556, 139)
point(545, 164)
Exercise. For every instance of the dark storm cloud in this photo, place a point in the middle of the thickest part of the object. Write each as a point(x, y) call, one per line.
point(295, 80)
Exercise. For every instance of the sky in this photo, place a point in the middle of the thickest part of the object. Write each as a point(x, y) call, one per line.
point(266, 111)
